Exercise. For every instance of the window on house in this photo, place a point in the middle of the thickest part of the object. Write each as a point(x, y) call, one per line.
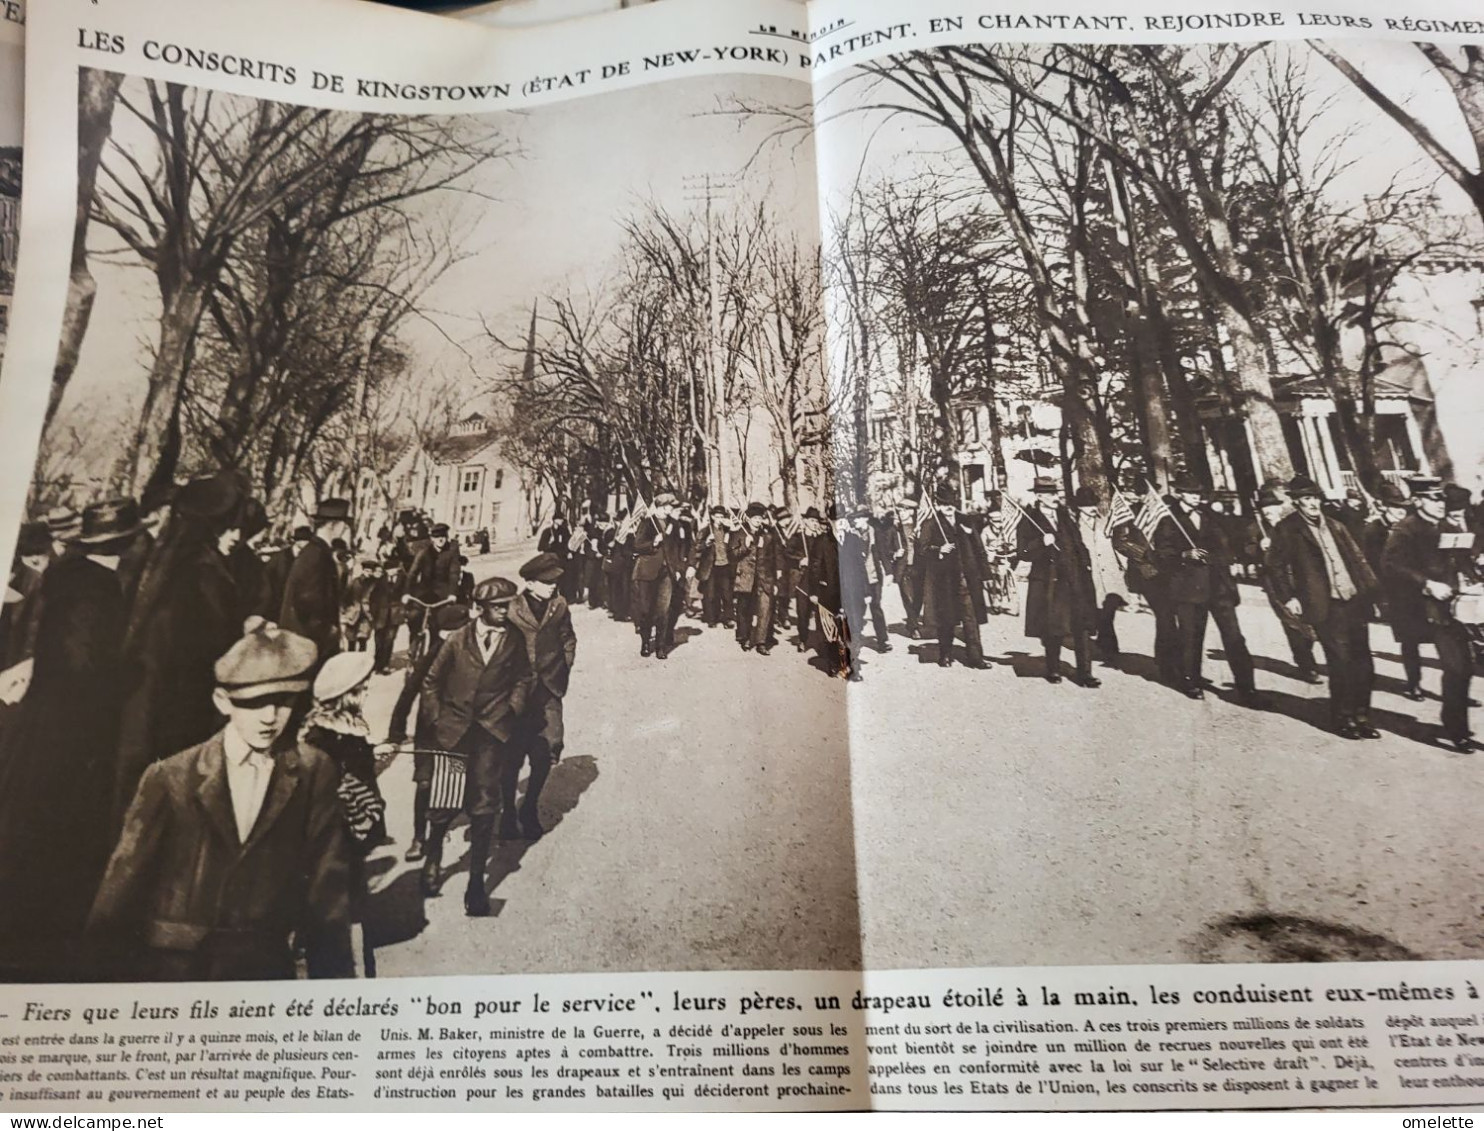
point(471, 479)
point(467, 514)
point(495, 508)
point(499, 479)
point(437, 484)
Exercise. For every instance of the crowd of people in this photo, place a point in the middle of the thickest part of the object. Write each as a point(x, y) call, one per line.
point(1329, 570)
point(189, 786)
point(188, 783)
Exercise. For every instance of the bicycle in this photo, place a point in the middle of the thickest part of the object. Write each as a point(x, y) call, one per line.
point(1002, 592)
point(418, 642)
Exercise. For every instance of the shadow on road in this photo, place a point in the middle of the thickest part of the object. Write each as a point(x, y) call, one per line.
point(396, 913)
point(1266, 937)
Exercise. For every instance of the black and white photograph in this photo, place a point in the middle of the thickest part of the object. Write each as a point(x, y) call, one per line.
point(398, 590)
point(1170, 356)
point(995, 506)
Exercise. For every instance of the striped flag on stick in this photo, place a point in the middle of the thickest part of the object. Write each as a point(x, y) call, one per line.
point(1119, 512)
point(1151, 514)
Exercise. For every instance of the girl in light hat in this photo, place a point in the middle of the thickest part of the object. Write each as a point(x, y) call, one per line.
point(337, 727)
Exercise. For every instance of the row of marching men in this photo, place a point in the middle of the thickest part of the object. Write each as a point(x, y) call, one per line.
point(1329, 570)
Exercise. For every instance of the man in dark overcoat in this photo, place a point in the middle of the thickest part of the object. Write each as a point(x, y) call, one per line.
point(472, 701)
point(1422, 574)
point(233, 852)
point(1318, 571)
point(1409, 632)
point(311, 595)
point(542, 617)
point(1060, 596)
point(757, 559)
point(57, 759)
point(1195, 558)
point(954, 566)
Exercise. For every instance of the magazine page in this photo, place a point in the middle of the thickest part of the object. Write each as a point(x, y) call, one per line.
point(411, 568)
point(12, 80)
point(1157, 334)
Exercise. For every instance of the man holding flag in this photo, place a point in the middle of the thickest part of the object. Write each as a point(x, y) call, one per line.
point(1196, 561)
point(954, 568)
point(1060, 599)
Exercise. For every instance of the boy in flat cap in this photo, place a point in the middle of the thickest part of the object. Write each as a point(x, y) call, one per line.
point(472, 702)
point(544, 620)
point(234, 850)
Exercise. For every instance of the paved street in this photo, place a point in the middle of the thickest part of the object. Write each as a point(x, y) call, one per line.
point(701, 818)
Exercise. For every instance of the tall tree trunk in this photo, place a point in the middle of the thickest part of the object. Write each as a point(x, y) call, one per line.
point(97, 92)
point(178, 325)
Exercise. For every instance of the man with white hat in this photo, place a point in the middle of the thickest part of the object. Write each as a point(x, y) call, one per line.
point(234, 851)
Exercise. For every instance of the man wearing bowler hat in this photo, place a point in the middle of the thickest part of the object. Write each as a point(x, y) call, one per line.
point(472, 701)
point(541, 615)
point(1196, 558)
point(311, 594)
point(1318, 571)
point(233, 851)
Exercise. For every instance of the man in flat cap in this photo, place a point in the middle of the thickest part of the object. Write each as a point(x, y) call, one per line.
point(656, 550)
point(433, 579)
point(556, 539)
point(311, 594)
point(233, 852)
point(757, 558)
point(1424, 564)
point(542, 617)
point(1317, 571)
point(472, 701)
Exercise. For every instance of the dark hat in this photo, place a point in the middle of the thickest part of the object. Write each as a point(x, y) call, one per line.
point(1267, 497)
point(417, 531)
point(946, 495)
point(332, 510)
point(600, 516)
point(302, 534)
point(212, 497)
point(370, 563)
point(756, 510)
point(1301, 486)
point(779, 510)
point(1084, 497)
point(268, 660)
point(1186, 482)
point(34, 538)
point(450, 618)
point(718, 510)
point(157, 495)
point(1455, 498)
point(1425, 485)
point(1046, 485)
point(543, 567)
point(63, 520)
point(109, 523)
point(254, 518)
point(812, 512)
point(494, 591)
point(440, 530)
point(339, 546)
point(1390, 494)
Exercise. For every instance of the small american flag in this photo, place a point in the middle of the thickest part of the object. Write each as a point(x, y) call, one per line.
point(1119, 512)
point(828, 625)
point(1151, 514)
point(632, 521)
point(448, 781)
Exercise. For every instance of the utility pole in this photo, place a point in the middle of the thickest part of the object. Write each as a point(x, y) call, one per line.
point(707, 188)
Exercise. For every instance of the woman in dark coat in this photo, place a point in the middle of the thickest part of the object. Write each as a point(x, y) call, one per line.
point(180, 626)
point(57, 760)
